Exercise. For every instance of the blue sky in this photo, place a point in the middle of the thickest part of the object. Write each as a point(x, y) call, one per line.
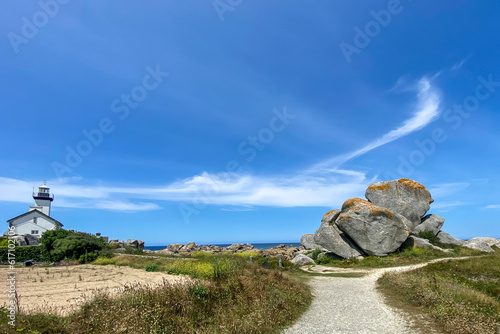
point(245, 121)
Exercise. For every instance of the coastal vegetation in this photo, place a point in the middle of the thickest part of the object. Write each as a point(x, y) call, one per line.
point(403, 257)
point(226, 294)
point(461, 296)
point(58, 245)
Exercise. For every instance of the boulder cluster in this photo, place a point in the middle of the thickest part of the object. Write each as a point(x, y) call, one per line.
point(132, 243)
point(392, 217)
point(24, 240)
point(285, 251)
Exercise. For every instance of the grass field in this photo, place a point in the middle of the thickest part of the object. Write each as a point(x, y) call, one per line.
point(402, 258)
point(227, 295)
point(460, 296)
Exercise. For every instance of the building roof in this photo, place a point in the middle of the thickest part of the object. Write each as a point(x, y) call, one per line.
point(38, 211)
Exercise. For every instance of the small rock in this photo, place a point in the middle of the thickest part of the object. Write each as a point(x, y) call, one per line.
point(302, 260)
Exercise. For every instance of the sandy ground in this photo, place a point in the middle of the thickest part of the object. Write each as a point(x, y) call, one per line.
point(61, 290)
point(353, 305)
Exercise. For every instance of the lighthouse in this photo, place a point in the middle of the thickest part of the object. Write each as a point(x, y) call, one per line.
point(43, 199)
point(37, 220)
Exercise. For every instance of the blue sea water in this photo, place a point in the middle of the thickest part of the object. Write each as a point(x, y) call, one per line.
point(256, 245)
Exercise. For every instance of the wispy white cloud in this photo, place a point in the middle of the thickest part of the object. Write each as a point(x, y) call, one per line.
point(325, 184)
point(459, 65)
point(426, 111)
point(447, 189)
point(493, 206)
point(229, 190)
point(447, 205)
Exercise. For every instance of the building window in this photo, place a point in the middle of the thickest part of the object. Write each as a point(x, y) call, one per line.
point(35, 219)
point(34, 231)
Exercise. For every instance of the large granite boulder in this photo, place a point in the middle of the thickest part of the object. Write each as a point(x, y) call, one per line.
point(134, 243)
point(330, 217)
point(302, 260)
point(487, 240)
point(32, 240)
point(190, 247)
point(19, 239)
point(235, 247)
point(404, 196)
point(430, 223)
point(414, 241)
point(446, 238)
point(376, 230)
point(307, 240)
point(174, 248)
point(478, 245)
point(331, 238)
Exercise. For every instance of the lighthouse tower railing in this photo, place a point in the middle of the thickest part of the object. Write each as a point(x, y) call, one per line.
point(43, 195)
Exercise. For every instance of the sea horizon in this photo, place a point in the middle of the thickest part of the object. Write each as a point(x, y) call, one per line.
point(258, 245)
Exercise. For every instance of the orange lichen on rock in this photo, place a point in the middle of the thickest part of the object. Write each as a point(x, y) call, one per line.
point(411, 184)
point(417, 186)
point(329, 213)
point(380, 187)
point(357, 204)
point(352, 202)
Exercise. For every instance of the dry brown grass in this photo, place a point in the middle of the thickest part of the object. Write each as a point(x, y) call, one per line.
point(62, 290)
point(249, 299)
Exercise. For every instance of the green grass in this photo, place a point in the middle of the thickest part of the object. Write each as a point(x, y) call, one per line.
point(462, 296)
point(402, 258)
point(234, 296)
point(306, 275)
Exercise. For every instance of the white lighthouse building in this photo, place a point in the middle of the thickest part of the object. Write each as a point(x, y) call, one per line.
point(37, 220)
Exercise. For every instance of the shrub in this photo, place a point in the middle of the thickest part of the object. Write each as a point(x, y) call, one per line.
point(133, 250)
point(429, 235)
point(152, 268)
point(23, 253)
point(49, 237)
point(223, 266)
point(63, 244)
point(199, 292)
point(4, 242)
point(315, 253)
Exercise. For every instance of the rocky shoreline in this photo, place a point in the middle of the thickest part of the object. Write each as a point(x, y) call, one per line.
point(287, 252)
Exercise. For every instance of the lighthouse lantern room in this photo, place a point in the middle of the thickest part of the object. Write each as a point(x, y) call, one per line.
point(43, 199)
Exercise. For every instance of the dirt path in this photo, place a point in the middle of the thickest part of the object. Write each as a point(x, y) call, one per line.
point(63, 289)
point(352, 305)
